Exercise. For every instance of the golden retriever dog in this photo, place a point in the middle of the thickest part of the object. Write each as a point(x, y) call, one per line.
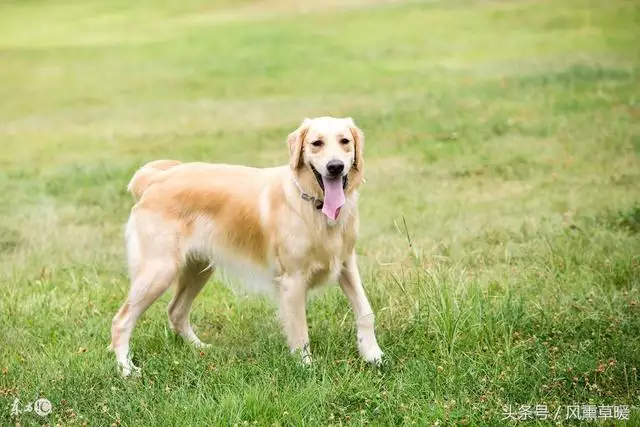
point(292, 228)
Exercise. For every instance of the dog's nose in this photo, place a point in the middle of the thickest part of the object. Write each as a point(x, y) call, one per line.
point(335, 167)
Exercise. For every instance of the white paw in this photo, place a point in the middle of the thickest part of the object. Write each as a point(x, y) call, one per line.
point(128, 369)
point(306, 358)
point(372, 354)
point(200, 344)
point(304, 354)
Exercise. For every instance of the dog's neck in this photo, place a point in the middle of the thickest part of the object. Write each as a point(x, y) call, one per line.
point(317, 203)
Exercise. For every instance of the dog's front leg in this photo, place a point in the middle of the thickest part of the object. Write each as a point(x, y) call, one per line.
point(293, 313)
point(352, 286)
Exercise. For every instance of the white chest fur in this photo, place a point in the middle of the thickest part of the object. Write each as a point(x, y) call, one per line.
point(315, 249)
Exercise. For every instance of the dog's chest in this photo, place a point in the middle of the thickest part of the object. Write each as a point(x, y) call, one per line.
point(326, 261)
point(317, 254)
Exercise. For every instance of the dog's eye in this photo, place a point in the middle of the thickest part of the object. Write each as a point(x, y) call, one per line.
point(344, 141)
point(317, 143)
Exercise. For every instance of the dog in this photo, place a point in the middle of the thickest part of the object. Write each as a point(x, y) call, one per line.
point(292, 228)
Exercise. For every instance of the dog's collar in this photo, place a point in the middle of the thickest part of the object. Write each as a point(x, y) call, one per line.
point(306, 196)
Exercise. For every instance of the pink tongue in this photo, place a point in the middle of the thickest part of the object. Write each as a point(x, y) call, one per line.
point(333, 197)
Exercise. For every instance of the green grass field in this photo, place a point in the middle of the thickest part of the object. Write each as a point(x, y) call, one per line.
point(500, 239)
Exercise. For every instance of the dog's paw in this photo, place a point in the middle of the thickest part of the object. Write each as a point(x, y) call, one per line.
point(129, 369)
point(201, 345)
point(373, 354)
point(303, 354)
point(306, 358)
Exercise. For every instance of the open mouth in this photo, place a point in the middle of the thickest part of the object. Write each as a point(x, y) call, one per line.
point(333, 189)
point(321, 182)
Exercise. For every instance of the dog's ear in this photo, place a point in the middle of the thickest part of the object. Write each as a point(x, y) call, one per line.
point(296, 142)
point(358, 140)
point(358, 158)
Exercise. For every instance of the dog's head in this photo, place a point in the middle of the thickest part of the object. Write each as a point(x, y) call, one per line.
point(326, 156)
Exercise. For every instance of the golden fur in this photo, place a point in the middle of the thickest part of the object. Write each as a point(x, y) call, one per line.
point(192, 217)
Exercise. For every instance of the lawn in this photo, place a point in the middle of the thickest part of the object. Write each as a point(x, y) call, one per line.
point(500, 232)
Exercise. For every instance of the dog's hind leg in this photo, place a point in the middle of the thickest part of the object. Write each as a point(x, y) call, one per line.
point(191, 281)
point(152, 281)
point(152, 271)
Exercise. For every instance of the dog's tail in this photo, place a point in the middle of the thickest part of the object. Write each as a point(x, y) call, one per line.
point(143, 177)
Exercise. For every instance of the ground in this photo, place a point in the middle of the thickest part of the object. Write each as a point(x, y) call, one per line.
point(500, 217)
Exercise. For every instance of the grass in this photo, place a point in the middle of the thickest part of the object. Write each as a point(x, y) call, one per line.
point(499, 240)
